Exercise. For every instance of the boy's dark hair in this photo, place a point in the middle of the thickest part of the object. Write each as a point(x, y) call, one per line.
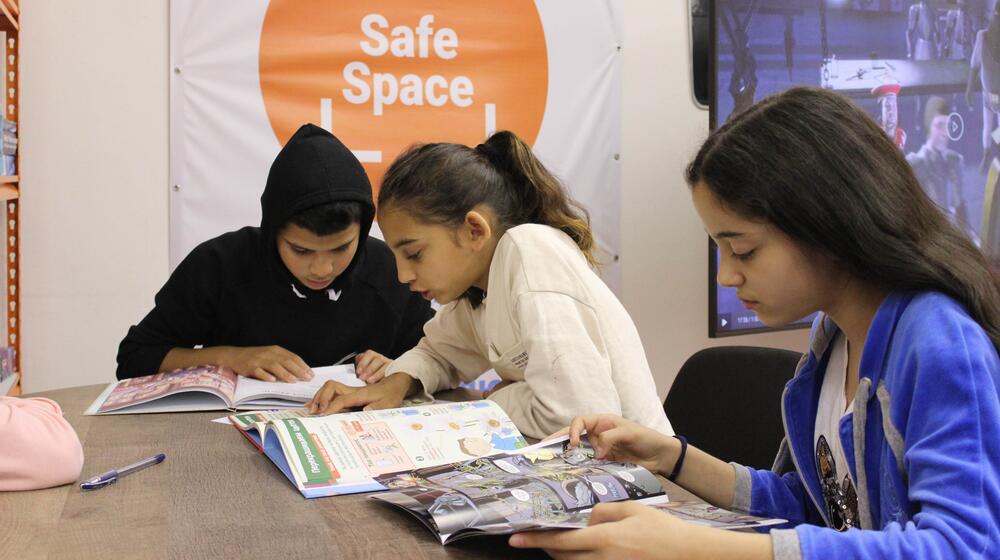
point(329, 218)
point(817, 167)
point(440, 183)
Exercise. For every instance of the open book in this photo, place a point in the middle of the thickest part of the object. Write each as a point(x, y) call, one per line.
point(543, 487)
point(212, 388)
point(343, 453)
point(708, 515)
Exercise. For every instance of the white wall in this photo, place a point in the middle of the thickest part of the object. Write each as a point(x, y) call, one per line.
point(94, 168)
point(663, 243)
point(94, 203)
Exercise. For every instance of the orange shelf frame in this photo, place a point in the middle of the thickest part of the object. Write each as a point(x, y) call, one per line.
point(10, 189)
point(9, 14)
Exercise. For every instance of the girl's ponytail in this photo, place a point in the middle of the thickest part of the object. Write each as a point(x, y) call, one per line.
point(440, 183)
point(543, 199)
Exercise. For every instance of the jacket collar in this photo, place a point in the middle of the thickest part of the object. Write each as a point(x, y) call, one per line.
point(801, 397)
point(877, 343)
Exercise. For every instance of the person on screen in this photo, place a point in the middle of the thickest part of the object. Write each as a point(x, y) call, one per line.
point(307, 288)
point(888, 98)
point(939, 168)
point(959, 32)
point(38, 447)
point(922, 34)
point(985, 68)
point(892, 421)
point(493, 236)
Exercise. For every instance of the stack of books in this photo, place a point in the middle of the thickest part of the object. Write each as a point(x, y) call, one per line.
point(6, 362)
point(8, 146)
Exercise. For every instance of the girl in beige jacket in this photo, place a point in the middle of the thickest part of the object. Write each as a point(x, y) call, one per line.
point(492, 236)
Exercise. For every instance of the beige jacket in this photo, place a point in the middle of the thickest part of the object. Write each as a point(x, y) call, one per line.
point(552, 326)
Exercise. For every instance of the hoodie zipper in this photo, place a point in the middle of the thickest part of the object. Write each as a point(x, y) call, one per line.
point(791, 451)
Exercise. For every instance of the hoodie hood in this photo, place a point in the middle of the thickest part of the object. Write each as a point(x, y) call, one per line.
point(314, 168)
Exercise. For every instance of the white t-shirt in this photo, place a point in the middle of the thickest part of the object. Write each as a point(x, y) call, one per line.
point(839, 494)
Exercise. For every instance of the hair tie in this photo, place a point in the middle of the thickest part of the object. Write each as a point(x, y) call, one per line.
point(680, 459)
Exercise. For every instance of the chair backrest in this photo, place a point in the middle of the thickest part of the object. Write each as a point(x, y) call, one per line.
point(727, 402)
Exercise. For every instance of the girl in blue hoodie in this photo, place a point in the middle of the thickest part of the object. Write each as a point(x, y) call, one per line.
point(892, 422)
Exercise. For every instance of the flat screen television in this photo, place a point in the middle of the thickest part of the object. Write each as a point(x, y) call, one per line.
point(911, 64)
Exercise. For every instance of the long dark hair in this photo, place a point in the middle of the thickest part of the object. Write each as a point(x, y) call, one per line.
point(440, 183)
point(817, 167)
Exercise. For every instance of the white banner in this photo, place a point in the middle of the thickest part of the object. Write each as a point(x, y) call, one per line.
point(382, 75)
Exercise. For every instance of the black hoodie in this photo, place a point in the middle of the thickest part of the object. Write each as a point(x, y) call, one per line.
point(234, 290)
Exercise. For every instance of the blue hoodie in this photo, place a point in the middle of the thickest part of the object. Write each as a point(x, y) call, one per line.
point(922, 442)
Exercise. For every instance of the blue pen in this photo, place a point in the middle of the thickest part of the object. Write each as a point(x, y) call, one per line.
point(111, 477)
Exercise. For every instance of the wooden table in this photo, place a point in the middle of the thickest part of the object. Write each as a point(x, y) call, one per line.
point(215, 496)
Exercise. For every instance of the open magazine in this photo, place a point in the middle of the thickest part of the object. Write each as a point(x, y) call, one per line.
point(543, 487)
point(708, 515)
point(212, 388)
point(344, 453)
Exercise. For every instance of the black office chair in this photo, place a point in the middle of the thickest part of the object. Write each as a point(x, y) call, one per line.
point(727, 402)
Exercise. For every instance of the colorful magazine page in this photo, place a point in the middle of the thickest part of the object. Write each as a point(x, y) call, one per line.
point(343, 453)
point(252, 424)
point(708, 515)
point(212, 388)
point(273, 450)
point(547, 486)
point(255, 420)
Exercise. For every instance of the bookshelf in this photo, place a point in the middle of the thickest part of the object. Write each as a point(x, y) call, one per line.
point(10, 195)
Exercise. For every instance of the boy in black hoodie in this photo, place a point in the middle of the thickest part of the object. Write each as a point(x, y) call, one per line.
point(306, 288)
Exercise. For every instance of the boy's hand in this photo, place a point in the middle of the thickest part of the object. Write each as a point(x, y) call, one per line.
point(268, 363)
point(370, 366)
point(335, 397)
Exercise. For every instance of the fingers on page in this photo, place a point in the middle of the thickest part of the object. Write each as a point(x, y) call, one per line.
point(262, 374)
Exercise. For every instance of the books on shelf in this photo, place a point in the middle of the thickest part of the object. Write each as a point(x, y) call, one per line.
point(7, 384)
point(344, 453)
point(7, 369)
point(8, 146)
point(212, 388)
point(546, 486)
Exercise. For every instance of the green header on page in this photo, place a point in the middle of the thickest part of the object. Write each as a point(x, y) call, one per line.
point(309, 456)
point(245, 421)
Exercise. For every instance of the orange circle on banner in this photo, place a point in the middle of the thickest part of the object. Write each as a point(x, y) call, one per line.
point(383, 75)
